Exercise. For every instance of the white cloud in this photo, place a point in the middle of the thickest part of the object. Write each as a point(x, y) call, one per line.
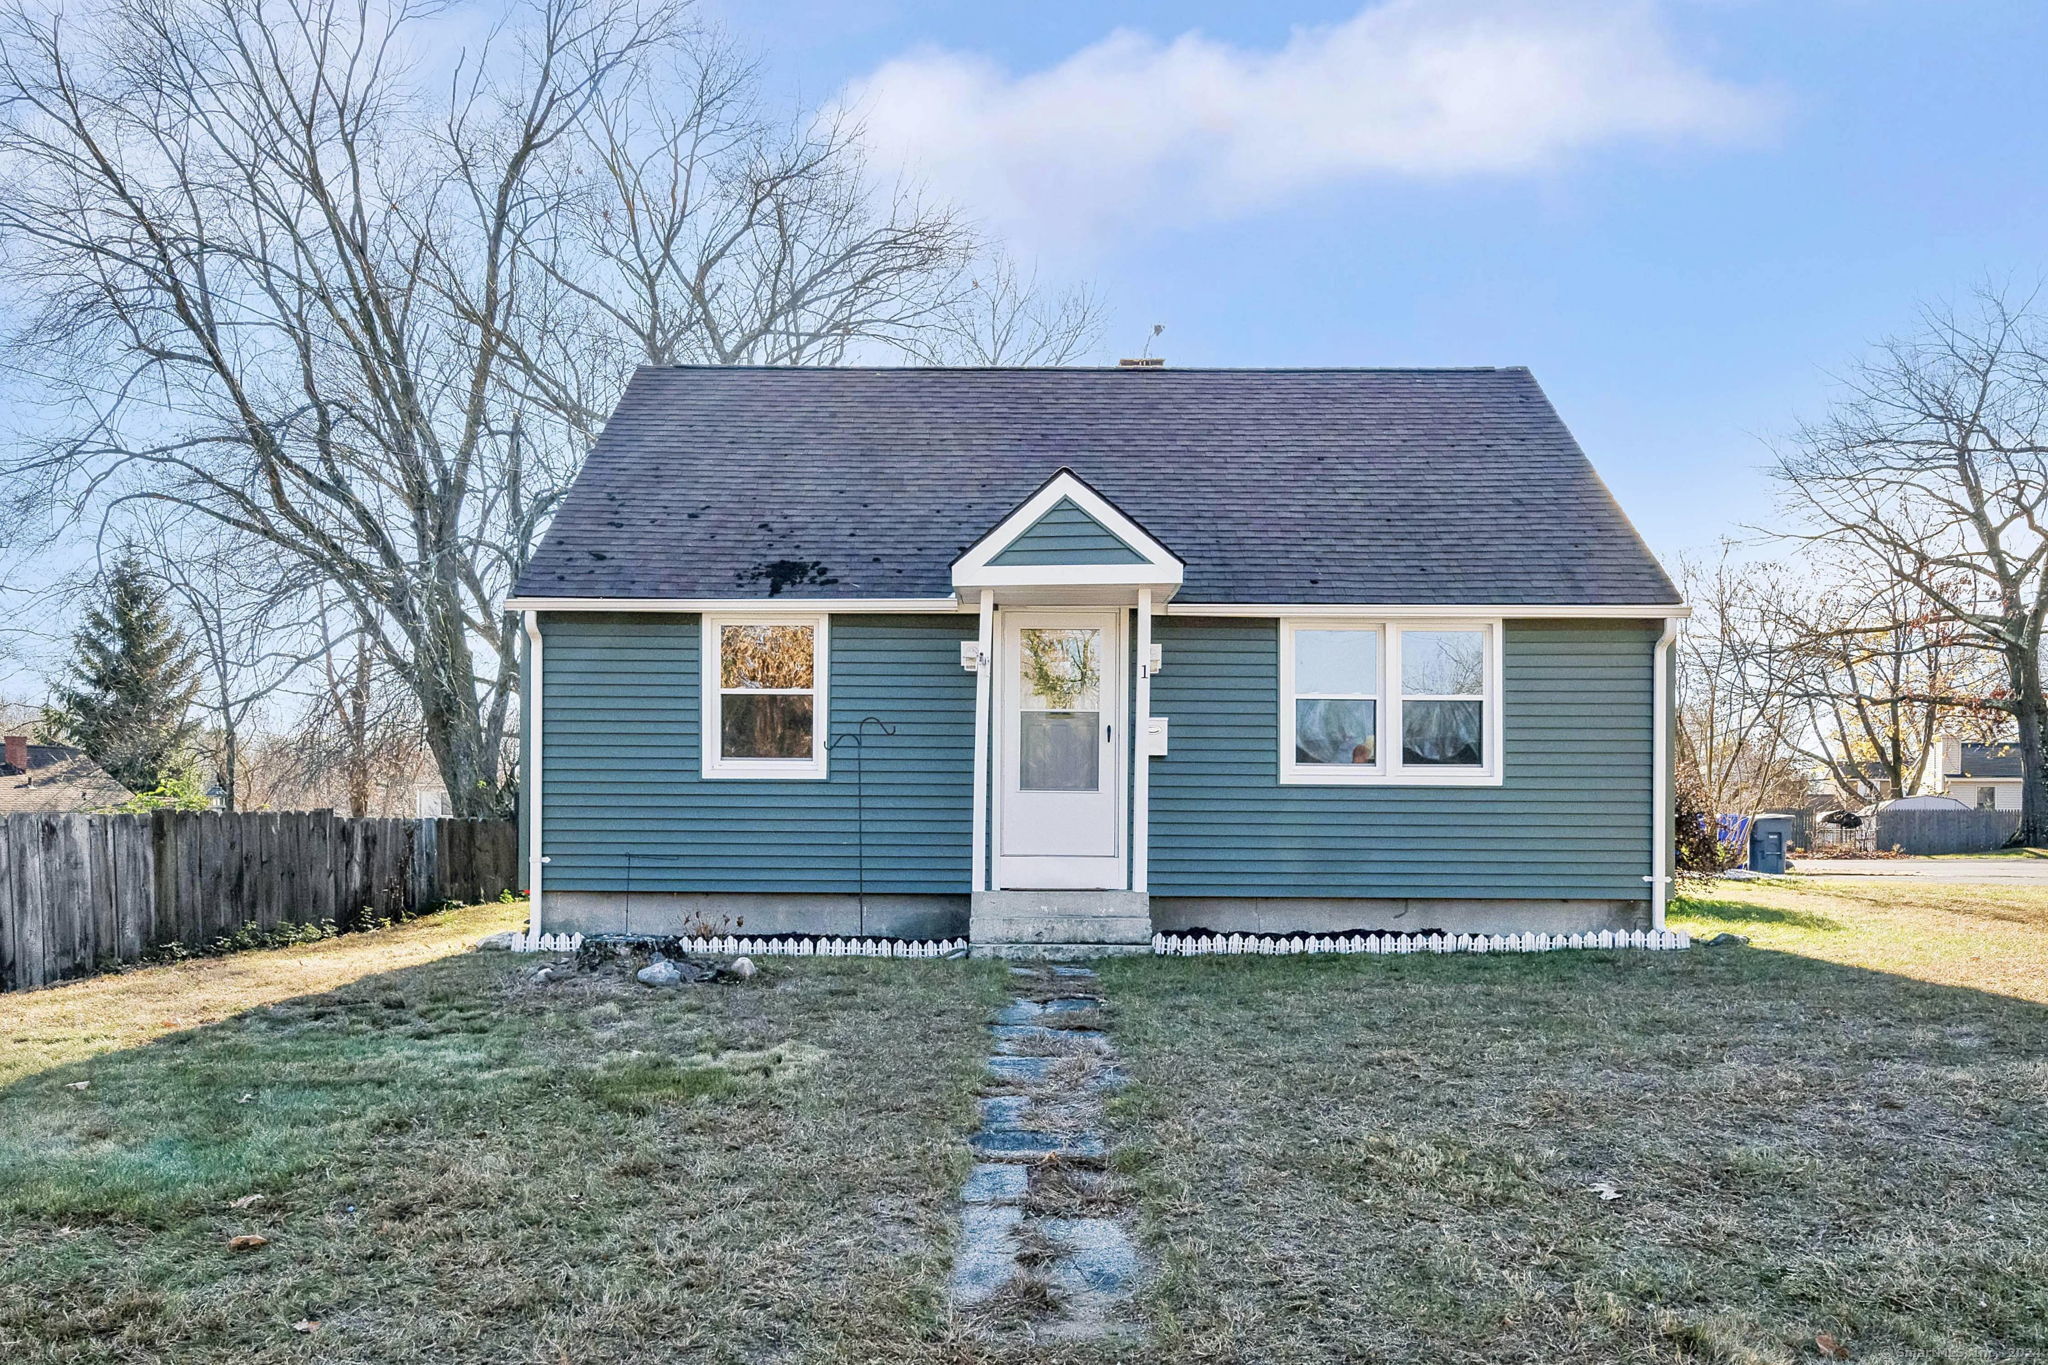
point(1132, 130)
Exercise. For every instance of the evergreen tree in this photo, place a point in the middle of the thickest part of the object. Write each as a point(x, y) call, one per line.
point(132, 681)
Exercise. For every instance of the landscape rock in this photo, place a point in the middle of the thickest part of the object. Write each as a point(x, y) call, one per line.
point(1724, 941)
point(660, 972)
point(743, 968)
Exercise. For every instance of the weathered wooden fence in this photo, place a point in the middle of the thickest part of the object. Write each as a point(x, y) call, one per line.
point(81, 892)
point(1944, 831)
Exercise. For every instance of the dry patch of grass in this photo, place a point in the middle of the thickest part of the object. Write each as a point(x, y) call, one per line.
point(1981, 937)
point(1842, 1129)
point(452, 1164)
point(42, 1029)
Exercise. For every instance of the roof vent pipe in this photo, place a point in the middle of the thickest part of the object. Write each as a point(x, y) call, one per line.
point(1143, 362)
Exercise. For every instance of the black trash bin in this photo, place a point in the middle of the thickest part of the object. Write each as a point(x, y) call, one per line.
point(1768, 836)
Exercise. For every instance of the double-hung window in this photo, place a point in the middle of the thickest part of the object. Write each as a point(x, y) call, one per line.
point(764, 696)
point(1403, 703)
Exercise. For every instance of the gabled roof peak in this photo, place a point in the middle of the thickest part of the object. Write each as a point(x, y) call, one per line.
point(1040, 542)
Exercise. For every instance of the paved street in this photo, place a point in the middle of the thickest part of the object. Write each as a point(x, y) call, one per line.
point(2013, 871)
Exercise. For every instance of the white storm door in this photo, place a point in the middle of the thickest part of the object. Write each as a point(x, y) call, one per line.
point(1059, 798)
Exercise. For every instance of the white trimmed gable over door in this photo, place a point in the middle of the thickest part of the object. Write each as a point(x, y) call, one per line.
point(1068, 536)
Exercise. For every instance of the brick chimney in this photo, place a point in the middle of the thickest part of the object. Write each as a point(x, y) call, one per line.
point(17, 752)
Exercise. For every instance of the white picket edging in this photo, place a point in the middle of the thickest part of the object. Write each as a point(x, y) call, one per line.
point(1202, 945)
point(734, 946)
point(1175, 945)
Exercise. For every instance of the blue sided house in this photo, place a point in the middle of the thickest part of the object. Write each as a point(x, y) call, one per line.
point(1059, 657)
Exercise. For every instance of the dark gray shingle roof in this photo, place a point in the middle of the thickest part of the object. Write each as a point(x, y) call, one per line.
point(1988, 760)
point(1395, 486)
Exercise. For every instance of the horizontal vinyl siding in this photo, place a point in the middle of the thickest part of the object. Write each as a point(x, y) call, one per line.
point(1571, 819)
point(1067, 535)
point(623, 763)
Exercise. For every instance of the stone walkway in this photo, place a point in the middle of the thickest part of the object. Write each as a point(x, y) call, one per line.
point(1045, 1249)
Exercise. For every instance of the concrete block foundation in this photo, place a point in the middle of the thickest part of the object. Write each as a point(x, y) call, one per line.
point(660, 913)
point(1304, 915)
point(1055, 924)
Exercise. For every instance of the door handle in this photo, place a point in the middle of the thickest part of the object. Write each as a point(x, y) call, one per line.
point(1108, 732)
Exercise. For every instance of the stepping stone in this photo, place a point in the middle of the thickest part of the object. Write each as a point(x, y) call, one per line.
point(987, 1259)
point(1030, 973)
point(1097, 1257)
point(1025, 1144)
point(1031, 1011)
point(994, 1183)
point(1021, 1070)
point(1076, 973)
point(1008, 1036)
point(1004, 1111)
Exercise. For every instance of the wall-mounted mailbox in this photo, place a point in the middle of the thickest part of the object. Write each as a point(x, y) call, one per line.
point(1155, 736)
point(970, 655)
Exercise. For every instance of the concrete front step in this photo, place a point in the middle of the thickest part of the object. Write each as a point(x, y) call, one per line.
point(1060, 917)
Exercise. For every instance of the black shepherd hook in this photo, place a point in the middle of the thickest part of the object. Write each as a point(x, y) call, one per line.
point(860, 804)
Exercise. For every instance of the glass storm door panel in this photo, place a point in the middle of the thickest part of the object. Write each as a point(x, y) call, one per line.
point(1061, 741)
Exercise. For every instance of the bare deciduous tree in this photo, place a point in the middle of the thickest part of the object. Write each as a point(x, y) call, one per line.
point(289, 273)
point(1932, 472)
point(1731, 723)
point(242, 610)
point(1871, 674)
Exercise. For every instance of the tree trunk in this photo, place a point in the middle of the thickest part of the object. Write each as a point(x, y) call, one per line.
point(357, 720)
point(465, 747)
point(2030, 710)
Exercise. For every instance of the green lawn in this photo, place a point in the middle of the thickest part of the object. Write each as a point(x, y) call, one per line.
point(1840, 1129)
point(457, 1165)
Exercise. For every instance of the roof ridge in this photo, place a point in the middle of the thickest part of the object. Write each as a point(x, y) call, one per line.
point(1096, 369)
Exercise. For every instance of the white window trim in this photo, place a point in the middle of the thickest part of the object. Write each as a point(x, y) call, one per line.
point(717, 767)
point(1389, 771)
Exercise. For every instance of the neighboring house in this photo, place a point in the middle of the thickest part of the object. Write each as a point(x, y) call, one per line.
point(1986, 776)
point(52, 777)
point(1854, 789)
point(1071, 655)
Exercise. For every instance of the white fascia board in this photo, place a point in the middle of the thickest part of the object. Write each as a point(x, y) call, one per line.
point(1069, 575)
point(795, 606)
point(972, 568)
point(1455, 611)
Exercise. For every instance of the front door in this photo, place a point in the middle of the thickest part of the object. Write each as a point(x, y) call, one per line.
point(1059, 794)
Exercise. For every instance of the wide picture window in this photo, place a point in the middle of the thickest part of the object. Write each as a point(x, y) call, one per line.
point(1368, 702)
point(764, 698)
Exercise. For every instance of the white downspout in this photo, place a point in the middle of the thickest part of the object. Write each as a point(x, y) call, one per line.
point(1660, 777)
point(983, 655)
point(534, 860)
point(1141, 777)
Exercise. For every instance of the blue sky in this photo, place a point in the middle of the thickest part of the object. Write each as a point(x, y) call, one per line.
point(1683, 215)
point(1739, 198)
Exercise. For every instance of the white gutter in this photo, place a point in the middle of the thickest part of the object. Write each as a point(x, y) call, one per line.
point(807, 605)
point(1660, 777)
point(531, 779)
point(946, 605)
point(1141, 729)
point(984, 652)
point(1438, 611)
